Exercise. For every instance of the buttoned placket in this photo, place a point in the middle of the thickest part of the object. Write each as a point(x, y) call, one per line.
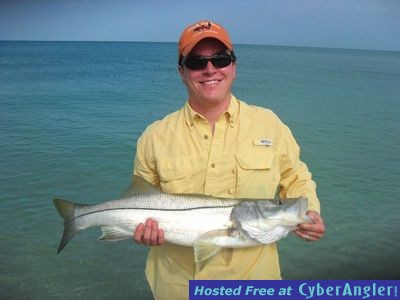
point(214, 155)
point(214, 150)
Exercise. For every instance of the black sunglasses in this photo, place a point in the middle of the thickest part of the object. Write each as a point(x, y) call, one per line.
point(220, 60)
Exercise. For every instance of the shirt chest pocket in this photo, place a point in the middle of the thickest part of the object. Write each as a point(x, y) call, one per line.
point(176, 174)
point(257, 175)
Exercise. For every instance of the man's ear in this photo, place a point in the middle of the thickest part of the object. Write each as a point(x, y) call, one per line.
point(180, 69)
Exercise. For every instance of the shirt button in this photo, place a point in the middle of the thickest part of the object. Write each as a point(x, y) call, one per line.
point(233, 171)
point(205, 137)
point(231, 190)
point(212, 165)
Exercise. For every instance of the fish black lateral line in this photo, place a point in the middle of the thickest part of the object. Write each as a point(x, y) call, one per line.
point(205, 223)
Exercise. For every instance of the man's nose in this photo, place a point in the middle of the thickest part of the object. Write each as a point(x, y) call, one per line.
point(209, 67)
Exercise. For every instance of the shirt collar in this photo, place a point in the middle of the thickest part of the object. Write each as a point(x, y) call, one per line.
point(232, 112)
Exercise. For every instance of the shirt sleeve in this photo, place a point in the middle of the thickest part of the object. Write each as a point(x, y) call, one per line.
point(144, 164)
point(296, 179)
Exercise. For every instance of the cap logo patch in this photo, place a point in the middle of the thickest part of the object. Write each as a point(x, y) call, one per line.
point(202, 27)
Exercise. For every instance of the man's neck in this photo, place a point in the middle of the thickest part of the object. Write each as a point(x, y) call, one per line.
point(210, 112)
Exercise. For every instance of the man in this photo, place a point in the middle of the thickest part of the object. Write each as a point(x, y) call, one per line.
point(218, 145)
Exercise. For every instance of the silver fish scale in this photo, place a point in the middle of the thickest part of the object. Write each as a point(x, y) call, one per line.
point(183, 218)
point(158, 201)
point(188, 220)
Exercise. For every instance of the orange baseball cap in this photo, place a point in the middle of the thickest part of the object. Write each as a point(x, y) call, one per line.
point(203, 29)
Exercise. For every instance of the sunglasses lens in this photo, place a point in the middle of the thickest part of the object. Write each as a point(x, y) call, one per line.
point(221, 60)
point(200, 62)
point(196, 63)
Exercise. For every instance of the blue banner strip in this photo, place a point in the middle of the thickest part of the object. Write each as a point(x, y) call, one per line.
point(294, 289)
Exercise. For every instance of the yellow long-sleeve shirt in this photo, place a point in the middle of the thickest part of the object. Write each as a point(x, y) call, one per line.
point(251, 154)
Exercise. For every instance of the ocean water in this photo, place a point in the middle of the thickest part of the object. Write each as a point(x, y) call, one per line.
point(70, 116)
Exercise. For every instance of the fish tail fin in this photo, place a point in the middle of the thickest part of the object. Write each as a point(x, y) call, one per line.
point(67, 209)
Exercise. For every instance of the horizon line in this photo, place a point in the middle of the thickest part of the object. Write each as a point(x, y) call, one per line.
point(166, 42)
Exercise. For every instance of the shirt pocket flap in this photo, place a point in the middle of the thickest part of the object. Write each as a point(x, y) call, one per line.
point(255, 161)
point(173, 168)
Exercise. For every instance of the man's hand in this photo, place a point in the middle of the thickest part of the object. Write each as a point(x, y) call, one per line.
point(149, 234)
point(311, 231)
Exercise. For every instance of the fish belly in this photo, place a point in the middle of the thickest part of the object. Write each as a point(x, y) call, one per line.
point(182, 227)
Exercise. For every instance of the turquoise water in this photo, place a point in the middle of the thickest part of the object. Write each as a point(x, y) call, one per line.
point(70, 115)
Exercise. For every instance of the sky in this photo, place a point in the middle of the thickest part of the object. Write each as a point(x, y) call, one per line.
point(351, 24)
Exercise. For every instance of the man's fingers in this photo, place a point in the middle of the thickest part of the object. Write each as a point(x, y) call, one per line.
point(149, 234)
point(154, 234)
point(161, 238)
point(138, 234)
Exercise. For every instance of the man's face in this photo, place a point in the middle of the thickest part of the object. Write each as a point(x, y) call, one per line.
point(211, 86)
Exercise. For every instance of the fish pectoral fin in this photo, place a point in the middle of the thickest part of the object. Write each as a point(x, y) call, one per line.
point(207, 245)
point(204, 250)
point(113, 234)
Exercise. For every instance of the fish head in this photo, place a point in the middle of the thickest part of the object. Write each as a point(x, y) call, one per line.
point(267, 221)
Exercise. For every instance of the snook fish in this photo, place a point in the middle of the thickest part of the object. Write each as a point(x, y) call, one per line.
point(205, 223)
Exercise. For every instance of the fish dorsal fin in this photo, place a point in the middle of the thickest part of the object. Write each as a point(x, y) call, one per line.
point(140, 186)
point(197, 195)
